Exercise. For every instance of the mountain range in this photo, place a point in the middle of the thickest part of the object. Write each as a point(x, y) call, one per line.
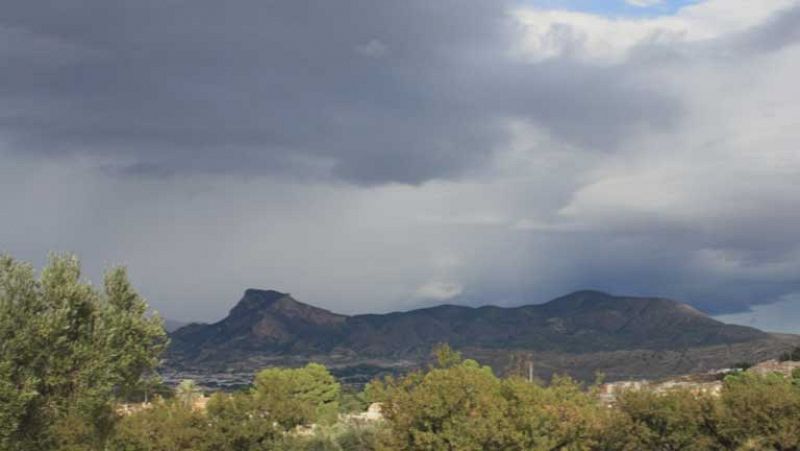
point(578, 333)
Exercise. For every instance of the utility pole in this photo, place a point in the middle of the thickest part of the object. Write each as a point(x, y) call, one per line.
point(530, 370)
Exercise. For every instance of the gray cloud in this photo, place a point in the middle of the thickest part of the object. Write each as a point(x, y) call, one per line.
point(276, 87)
point(782, 30)
point(371, 156)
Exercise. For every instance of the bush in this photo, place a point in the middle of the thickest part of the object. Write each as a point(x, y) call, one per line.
point(165, 426)
point(338, 437)
point(676, 419)
point(463, 405)
point(298, 396)
point(560, 416)
point(760, 410)
point(240, 422)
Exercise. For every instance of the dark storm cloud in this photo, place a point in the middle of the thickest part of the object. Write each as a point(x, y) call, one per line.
point(563, 151)
point(371, 92)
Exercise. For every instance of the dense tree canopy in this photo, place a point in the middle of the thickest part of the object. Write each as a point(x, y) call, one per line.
point(67, 350)
point(298, 396)
point(461, 405)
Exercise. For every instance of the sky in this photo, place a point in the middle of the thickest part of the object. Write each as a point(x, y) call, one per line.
point(371, 156)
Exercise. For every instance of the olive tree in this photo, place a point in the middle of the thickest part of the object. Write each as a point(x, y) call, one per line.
point(68, 349)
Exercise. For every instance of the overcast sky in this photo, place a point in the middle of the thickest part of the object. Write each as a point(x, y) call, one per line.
point(369, 156)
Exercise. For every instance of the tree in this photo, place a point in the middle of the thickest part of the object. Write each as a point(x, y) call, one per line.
point(21, 362)
point(459, 404)
point(351, 400)
point(560, 416)
point(187, 392)
point(134, 341)
point(67, 350)
point(456, 407)
point(445, 357)
point(240, 422)
point(165, 426)
point(675, 420)
point(762, 412)
point(297, 396)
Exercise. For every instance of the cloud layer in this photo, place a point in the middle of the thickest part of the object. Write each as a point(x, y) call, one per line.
point(370, 156)
point(366, 92)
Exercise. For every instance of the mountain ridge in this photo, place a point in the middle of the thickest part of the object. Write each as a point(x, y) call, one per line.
point(267, 324)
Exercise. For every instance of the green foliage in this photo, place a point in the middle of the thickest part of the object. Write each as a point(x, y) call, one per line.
point(187, 392)
point(560, 416)
point(68, 350)
point(445, 357)
point(298, 396)
point(465, 406)
point(352, 400)
point(796, 376)
point(134, 341)
point(447, 408)
point(752, 412)
point(165, 426)
point(759, 410)
point(231, 422)
point(676, 419)
point(343, 436)
point(240, 422)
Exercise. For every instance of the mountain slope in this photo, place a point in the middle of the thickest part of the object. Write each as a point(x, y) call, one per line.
point(264, 321)
point(171, 325)
point(269, 324)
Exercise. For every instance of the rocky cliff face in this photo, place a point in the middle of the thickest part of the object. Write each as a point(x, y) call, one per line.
point(268, 324)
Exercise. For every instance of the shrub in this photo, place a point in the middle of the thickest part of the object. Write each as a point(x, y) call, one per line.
point(762, 410)
point(676, 419)
point(298, 396)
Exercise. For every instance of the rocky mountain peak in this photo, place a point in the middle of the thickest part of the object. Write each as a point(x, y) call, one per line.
point(255, 300)
point(271, 305)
